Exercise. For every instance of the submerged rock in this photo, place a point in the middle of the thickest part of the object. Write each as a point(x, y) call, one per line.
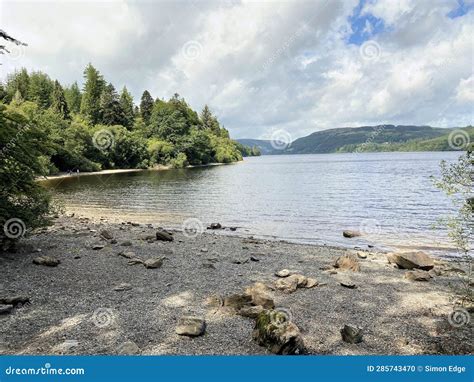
point(347, 262)
point(191, 326)
point(164, 236)
point(411, 260)
point(350, 234)
point(351, 334)
point(279, 335)
point(47, 261)
point(238, 301)
point(97, 247)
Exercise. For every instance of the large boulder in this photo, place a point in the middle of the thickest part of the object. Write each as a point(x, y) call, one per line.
point(279, 335)
point(260, 295)
point(411, 260)
point(347, 262)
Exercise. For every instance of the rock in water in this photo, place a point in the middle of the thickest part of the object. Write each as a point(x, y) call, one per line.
point(351, 334)
point(153, 263)
point(277, 334)
point(164, 236)
point(46, 260)
point(191, 326)
point(4, 309)
point(215, 226)
point(350, 234)
point(347, 262)
point(417, 275)
point(106, 234)
point(411, 260)
point(97, 247)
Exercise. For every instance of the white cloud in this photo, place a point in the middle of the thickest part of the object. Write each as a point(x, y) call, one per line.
point(262, 65)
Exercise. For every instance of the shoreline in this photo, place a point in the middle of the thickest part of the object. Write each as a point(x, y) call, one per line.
point(66, 300)
point(124, 170)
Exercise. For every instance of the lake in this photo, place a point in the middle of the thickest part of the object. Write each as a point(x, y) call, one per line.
point(389, 197)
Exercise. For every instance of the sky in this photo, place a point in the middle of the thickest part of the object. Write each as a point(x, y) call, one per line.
point(262, 67)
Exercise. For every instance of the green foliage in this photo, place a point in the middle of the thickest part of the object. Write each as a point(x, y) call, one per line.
point(59, 104)
point(98, 129)
point(248, 151)
point(126, 104)
point(457, 181)
point(146, 106)
point(73, 98)
point(94, 84)
point(23, 149)
point(110, 111)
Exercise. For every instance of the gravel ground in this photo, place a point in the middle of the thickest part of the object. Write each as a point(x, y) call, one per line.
point(74, 308)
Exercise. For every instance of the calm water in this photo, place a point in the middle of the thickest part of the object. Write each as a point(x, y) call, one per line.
point(305, 198)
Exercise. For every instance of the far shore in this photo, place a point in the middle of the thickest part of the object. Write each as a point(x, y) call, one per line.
point(120, 171)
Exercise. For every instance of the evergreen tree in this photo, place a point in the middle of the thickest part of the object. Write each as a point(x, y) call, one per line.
point(73, 97)
point(40, 89)
point(58, 103)
point(93, 87)
point(110, 111)
point(146, 106)
point(210, 122)
point(126, 104)
point(18, 81)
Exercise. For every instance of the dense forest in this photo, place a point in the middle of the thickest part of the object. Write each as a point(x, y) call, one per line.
point(100, 128)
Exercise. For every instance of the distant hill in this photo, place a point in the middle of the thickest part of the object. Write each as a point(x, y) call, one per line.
point(366, 139)
point(265, 146)
point(329, 141)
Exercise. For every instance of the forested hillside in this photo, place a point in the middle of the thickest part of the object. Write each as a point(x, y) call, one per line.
point(98, 127)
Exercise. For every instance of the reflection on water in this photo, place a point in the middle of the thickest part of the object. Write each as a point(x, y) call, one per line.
point(307, 198)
